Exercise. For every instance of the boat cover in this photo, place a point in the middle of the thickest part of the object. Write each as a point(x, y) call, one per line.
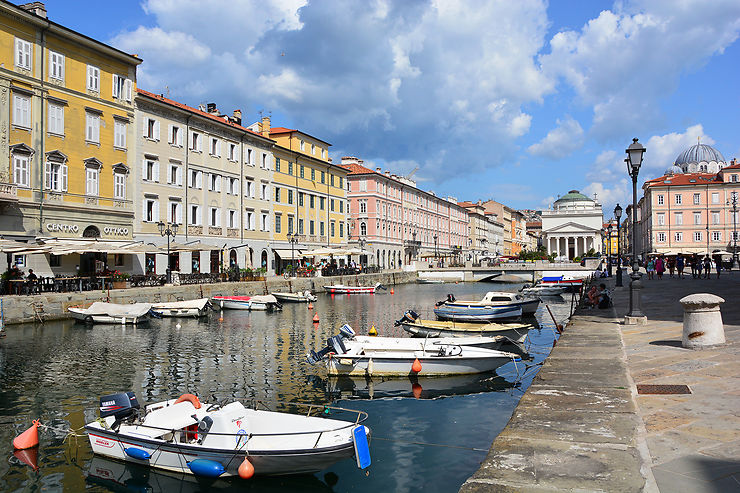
point(115, 310)
point(180, 305)
point(172, 417)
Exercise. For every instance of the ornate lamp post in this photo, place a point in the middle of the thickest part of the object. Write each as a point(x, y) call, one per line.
point(436, 255)
point(618, 215)
point(293, 239)
point(169, 230)
point(609, 246)
point(361, 241)
point(634, 161)
point(733, 201)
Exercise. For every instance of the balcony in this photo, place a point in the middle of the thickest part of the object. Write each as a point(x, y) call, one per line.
point(215, 231)
point(8, 192)
point(195, 230)
point(232, 232)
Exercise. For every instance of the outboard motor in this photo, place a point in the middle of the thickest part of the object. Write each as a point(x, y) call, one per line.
point(450, 299)
point(121, 405)
point(346, 331)
point(333, 345)
point(204, 426)
point(410, 316)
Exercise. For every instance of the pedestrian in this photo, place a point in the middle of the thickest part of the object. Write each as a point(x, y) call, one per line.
point(671, 265)
point(707, 267)
point(680, 265)
point(660, 267)
point(650, 267)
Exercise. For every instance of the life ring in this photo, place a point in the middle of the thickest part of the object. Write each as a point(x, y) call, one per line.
point(193, 399)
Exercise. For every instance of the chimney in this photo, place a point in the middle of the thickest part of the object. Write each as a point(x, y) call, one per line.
point(211, 108)
point(387, 173)
point(265, 126)
point(36, 8)
point(379, 171)
point(237, 117)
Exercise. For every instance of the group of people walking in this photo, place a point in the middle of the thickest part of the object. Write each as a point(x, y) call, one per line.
point(658, 265)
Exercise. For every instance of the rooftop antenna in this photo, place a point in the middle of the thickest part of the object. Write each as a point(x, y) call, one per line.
point(168, 90)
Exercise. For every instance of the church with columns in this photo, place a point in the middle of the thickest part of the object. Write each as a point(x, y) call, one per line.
point(572, 226)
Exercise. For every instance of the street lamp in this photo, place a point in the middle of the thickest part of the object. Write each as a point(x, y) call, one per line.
point(293, 239)
point(733, 201)
point(169, 230)
point(618, 215)
point(609, 246)
point(634, 161)
point(361, 241)
point(436, 255)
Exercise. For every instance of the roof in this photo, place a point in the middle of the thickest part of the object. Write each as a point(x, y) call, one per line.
point(699, 153)
point(572, 196)
point(283, 130)
point(357, 169)
point(684, 179)
point(198, 112)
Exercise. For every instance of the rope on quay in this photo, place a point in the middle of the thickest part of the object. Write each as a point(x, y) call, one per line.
point(474, 449)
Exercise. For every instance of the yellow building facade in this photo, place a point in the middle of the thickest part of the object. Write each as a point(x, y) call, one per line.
point(66, 130)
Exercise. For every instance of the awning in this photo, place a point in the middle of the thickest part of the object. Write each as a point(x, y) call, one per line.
point(289, 255)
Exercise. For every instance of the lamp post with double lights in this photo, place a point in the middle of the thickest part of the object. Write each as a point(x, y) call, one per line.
point(169, 230)
point(634, 160)
point(436, 255)
point(618, 215)
point(733, 201)
point(361, 242)
point(609, 247)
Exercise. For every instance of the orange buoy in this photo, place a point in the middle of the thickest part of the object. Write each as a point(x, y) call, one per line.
point(29, 438)
point(29, 457)
point(246, 469)
point(416, 389)
point(193, 399)
point(416, 367)
point(221, 316)
point(310, 306)
point(316, 317)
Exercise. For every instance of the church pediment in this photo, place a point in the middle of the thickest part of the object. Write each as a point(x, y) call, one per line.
point(571, 227)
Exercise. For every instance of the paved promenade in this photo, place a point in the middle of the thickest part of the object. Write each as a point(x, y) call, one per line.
point(581, 426)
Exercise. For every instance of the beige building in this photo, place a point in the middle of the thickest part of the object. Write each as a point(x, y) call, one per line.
point(206, 173)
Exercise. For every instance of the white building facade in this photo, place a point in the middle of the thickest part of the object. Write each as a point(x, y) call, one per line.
point(572, 226)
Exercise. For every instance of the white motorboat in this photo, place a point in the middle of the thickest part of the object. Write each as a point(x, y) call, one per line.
point(189, 308)
point(494, 305)
point(258, 302)
point(112, 313)
point(543, 290)
point(429, 281)
point(345, 356)
point(342, 289)
point(299, 297)
point(220, 440)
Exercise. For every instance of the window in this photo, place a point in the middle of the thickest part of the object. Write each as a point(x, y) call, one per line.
point(323, 177)
point(311, 227)
point(277, 194)
point(56, 176)
point(264, 160)
point(341, 206)
point(321, 228)
point(660, 200)
point(363, 209)
point(92, 128)
point(264, 194)
point(119, 185)
point(21, 110)
point(232, 219)
point(56, 65)
point(249, 220)
point(249, 157)
point(697, 217)
point(93, 78)
point(151, 210)
point(151, 129)
point(313, 174)
point(313, 150)
point(312, 201)
point(302, 171)
point(678, 236)
point(232, 152)
point(715, 197)
point(661, 237)
point(214, 185)
point(249, 189)
point(733, 178)
point(196, 179)
point(716, 235)
point(195, 215)
point(215, 147)
point(22, 54)
point(678, 198)
point(91, 181)
point(175, 175)
point(300, 199)
point(697, 199)
point(363, 229)
point(331, 229)
point(195, 142)
point(214, 217)
point(277, 163)
point(300, 226)
point(19, 261)
point(151, 170)
point(56, 119)
point(119, 134)
point(278, 223)
point(175, 136)
point(122, 88)
point(340, 181)
point(20, 169)
point(677, 218)
point(290, 224)
point(321, 203)
point(234, 186)
point(331, 205)
point(290, 168)
point(175, 212)
point(341, 229)
point(265, 222)
point(303, 145)
point(55, 260)
point(715, 217)
point(290, 196)
point(323, 154)
point(331, 179)
point(697, 235)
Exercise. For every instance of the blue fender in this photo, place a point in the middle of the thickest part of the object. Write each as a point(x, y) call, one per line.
point(137, 453)
point(206, 468)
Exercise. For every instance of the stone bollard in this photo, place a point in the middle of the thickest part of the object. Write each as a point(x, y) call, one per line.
point(702, 321)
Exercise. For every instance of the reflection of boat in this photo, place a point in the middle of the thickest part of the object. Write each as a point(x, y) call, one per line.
point(215, 439)
point(299, 297)
point(362, 387)
point(342, 289)
point(189, 308)
point(112, 313)
point(398, 358)
point(258, 302)
point(418, 327)
point(429, 281)
point(542, 290)
point(494, 305)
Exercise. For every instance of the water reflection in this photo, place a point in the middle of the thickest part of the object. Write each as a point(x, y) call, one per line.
point(57, 372)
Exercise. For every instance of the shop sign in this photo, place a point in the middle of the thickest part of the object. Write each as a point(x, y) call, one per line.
point(109, 230)
point(62, 228)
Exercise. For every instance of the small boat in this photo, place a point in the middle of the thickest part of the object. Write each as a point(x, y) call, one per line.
point(190, 308)
point(494, 305)
point(570, 283)
point(218, 439)
point(112, 313)
point(342, 289)
point(376, 343)
point(259, 302)
point(397, 359)
point(418, 327)
point(543, 290)
point(429, 281)
point(299, 297)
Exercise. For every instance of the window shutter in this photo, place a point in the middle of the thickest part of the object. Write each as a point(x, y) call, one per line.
point(156, 211)
point(143, 210)
point(179, 137)
point(145, 127)
point(129, 89)
point(18, 52)
point(64, 177)
point(218, 183)
point(169, 134)
point(218, 148)
point(114, 89)
point(178, 211)
point(156, 130)
point(27, 51)
point(156, 171)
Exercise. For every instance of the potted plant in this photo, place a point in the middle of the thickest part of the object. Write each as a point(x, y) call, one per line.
point(120, 279)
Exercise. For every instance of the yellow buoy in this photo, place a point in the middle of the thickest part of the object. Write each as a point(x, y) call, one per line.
point(373, 331)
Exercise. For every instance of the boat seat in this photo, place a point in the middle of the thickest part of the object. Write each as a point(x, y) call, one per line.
point(172, 417)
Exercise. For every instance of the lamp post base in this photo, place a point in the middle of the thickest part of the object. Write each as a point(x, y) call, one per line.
point(628, 320)
point(735, 265)
point(635, 313)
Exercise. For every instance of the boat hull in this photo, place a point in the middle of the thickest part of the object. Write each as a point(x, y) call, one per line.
point(386, 364)
point(476, 313)
point(350, 289)
point(294, 297)
point(79, 314)
point(554, 290)
point(419, 330)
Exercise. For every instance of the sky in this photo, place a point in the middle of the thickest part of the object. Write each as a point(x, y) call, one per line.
point(516, 101)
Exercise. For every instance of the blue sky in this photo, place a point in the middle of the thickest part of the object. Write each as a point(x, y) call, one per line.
point(515, 101)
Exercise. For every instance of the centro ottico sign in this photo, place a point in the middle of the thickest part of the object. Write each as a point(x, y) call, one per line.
point(75, 229)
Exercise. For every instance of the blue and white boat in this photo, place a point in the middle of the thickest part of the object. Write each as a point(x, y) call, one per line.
point(494, 305)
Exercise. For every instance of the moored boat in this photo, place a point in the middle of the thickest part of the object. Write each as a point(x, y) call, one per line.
point(259, 302)
point(570, 283)
point(189, 308)
point(342, 289)
point(299, 297)
point(543, 290)
point(219, 439)
point(429, 281)
point(494, 305)
point(112, 313)
point(419, 327)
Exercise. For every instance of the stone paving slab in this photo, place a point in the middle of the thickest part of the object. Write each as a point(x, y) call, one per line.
point(541, 396)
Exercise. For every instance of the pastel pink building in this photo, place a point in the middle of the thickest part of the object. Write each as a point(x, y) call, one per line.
point(396, 222)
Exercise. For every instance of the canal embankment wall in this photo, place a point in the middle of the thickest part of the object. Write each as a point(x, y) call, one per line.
point(53, 306)
point(577, 427)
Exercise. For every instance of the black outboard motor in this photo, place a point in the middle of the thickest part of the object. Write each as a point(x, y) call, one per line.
point(334, 344)
point(410, 316)
point(121, 406)
point(450, 299)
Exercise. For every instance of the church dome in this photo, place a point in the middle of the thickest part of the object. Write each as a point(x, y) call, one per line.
point(700, 158)
point(674, 170)
point(572, 196)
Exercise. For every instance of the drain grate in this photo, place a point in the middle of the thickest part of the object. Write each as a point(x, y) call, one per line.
point(662, 389)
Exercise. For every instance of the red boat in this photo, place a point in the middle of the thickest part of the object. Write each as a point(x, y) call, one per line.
point(568, 282)
point(342, 289)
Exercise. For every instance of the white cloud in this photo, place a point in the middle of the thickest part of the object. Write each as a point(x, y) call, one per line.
point(662, 150)
point(561, 141)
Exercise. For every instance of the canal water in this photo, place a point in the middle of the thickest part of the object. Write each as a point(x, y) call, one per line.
point(429, 435)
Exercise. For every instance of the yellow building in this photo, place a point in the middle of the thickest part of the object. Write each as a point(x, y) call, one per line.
point(308, 191)
point(66, 130)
